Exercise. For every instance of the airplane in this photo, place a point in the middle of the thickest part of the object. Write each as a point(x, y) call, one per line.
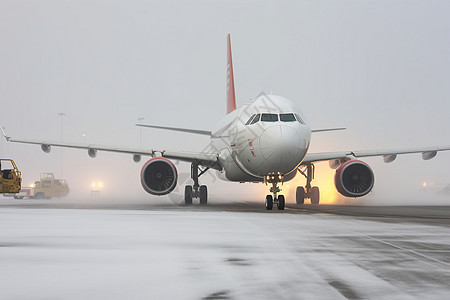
point(265, 140)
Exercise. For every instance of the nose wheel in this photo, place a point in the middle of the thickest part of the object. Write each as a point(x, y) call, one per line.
point(279, 202)
point(276, 199)
point(269, 202)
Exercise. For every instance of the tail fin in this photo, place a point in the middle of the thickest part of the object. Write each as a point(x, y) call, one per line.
point(231, 96)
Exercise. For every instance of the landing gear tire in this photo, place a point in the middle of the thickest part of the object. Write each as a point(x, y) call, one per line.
point(188, 195)
point(300, 195)
point(269, 202)
point(281, 202)
point(315, 195)
point(203, 195)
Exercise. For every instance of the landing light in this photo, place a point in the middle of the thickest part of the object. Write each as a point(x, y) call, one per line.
point(97, 184)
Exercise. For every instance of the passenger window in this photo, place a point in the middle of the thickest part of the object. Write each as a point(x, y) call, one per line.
point(250, 120)
point(299, 119)
point(256, 119)
point(269, 118)
point(287, 118)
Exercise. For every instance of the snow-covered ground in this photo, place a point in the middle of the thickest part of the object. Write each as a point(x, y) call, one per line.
point(191, 254)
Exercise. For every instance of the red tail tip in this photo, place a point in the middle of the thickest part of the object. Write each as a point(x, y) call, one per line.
point(231, 96)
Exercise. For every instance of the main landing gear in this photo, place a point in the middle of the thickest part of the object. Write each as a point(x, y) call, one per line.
point(196, 191)
point(279, 200)
point(307, 192)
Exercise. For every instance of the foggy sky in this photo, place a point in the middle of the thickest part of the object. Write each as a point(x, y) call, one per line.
point(379, 68)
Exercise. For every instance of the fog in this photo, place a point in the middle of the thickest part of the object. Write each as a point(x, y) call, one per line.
point(379, 68)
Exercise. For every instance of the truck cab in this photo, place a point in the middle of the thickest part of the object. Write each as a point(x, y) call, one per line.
point(10, 177)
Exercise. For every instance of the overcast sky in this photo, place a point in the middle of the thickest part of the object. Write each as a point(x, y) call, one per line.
point(379, 68)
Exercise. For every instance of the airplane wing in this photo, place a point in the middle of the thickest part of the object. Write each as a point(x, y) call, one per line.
point(388, 155)
point(195, 131)
point(204, 159)
point(327, 129)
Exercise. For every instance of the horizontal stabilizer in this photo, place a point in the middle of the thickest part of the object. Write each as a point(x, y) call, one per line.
point(194, 131)
point(328, 129)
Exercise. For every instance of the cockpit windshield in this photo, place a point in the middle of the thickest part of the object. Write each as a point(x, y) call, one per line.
point(266, 117)
point(287, 118)
point(255, 119)
point(250, 120)
point(269, 117)
point(299, 119)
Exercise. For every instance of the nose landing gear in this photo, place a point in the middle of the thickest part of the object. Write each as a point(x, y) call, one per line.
point(307, 192)
point(279, 200)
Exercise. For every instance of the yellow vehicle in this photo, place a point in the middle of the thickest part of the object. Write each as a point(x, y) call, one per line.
point(48, 187)
point(10, 179)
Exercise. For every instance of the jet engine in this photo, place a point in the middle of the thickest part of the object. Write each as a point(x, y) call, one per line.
point(159, 176)
point(354, 178)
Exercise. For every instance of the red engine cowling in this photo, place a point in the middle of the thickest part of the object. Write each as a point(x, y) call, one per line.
point(354, 178)
point(159, 176)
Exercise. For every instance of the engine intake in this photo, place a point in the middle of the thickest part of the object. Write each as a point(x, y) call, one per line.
point(46, 148)
point(354, 178)
point(92, 152)
point(159, 176)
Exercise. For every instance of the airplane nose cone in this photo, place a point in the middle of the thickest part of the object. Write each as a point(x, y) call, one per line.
point(280, 145)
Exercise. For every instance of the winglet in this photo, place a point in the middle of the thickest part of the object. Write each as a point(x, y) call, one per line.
point(231, 96)
point(4, 133)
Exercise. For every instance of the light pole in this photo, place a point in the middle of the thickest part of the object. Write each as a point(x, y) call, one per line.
point(1, 148)
point(140, 131)
point(61, 115)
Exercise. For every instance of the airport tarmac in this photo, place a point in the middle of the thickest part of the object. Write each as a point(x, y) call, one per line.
point(58, 249)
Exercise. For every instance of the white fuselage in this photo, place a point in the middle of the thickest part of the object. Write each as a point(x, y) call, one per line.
point(276, 140)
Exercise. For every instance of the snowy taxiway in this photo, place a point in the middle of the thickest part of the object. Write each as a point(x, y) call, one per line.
point(219, 253)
